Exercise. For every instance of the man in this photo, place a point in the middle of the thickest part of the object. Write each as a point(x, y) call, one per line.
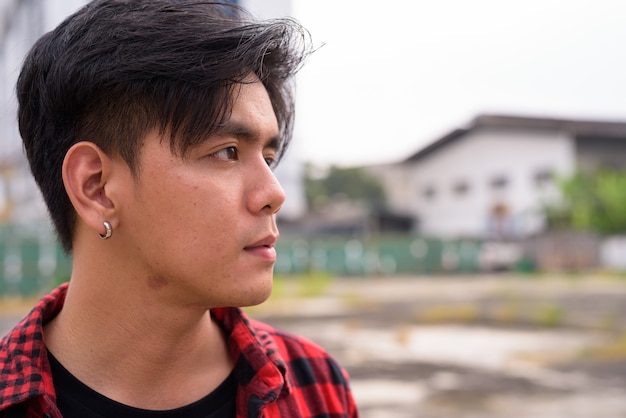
point(151, 127)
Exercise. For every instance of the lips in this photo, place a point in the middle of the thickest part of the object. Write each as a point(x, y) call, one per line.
point(268, 241)
point(264, 248)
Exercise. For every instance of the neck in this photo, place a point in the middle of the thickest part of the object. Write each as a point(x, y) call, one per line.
point(118, 336)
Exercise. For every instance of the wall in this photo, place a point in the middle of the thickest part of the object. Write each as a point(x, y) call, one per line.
point(454, 191)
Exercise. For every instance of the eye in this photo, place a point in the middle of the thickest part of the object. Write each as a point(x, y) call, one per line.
point(271, 162)
point(227, 154)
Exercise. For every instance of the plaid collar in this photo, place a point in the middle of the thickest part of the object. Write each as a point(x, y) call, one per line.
point(23, 361)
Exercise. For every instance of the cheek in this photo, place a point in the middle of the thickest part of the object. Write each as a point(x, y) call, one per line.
point(205, 219)
point(193, 210)
point(157, 282)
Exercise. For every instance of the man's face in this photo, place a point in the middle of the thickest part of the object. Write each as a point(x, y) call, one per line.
point(201, 229)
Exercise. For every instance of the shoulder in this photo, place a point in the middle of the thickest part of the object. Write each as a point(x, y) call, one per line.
point(306, 361)
point(25, 337)
point(308, 380)
point(317, 383)
point(23, 361)
point(20, 364)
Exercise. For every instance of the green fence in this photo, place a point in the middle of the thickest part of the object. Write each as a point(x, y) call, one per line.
point(387, 255)
point(33, 262)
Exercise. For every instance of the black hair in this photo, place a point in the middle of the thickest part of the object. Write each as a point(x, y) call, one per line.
point(118, 68)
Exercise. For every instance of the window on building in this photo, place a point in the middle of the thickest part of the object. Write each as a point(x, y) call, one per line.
point(543, 177)
point(429, 192)
point(499, 182)
point(460, 188)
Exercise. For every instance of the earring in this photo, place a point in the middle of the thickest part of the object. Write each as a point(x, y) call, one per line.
point(108, 229)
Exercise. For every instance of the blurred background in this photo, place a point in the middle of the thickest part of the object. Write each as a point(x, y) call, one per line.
point(455, 228)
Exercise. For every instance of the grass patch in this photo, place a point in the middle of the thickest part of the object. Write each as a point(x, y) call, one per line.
point(550, 316)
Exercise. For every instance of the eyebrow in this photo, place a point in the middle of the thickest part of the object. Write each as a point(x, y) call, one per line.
point(243, 132)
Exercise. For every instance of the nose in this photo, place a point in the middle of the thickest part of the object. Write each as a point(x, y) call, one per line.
point(266, 193)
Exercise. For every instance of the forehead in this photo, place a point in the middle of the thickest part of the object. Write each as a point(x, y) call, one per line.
point(251, 100)
point(252, 112)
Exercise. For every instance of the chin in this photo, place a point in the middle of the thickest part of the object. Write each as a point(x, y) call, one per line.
point(257, 293)
point(259, 297)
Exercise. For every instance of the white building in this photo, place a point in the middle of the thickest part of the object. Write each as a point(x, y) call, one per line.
point(491, 178)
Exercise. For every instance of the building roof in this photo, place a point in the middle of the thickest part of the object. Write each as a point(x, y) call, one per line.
point(573, 127)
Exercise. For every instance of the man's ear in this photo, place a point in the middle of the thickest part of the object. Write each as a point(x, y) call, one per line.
point(86, 169)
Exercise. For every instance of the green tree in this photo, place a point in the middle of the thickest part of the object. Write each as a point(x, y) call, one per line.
point(350, 183)
point(592, 201)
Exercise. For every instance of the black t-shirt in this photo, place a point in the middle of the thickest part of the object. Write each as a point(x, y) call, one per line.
point(76, 400)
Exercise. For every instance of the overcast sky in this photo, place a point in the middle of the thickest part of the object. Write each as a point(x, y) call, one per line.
point(394, 76)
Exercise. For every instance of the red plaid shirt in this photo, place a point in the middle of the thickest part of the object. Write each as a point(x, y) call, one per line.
point(279, 374)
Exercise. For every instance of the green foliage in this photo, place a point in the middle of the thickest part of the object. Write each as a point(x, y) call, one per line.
point(592, 201)
point(351, 183)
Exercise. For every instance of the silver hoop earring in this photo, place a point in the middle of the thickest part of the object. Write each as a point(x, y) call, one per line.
point(108, 229)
